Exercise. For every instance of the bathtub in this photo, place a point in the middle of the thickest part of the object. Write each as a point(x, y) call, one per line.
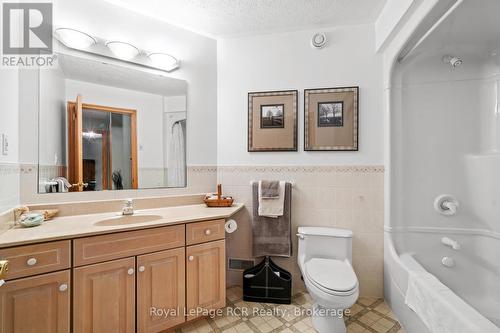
point(474, 279)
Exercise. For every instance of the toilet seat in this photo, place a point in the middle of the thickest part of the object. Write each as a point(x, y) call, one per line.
point(332, 276)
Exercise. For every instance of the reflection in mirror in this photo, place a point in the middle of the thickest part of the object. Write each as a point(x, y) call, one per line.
point(108, 127)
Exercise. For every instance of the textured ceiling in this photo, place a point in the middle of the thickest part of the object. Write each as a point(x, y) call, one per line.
point(226, 18)
point(98, 72)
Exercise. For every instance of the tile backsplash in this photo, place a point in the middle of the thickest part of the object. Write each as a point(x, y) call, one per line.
point(350, 197)
point(9, 186)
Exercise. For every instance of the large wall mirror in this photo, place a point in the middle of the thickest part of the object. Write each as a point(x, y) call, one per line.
point(107, 127)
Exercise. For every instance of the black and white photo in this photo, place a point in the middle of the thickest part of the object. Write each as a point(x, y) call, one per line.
point(330, 114)
point(272, 116)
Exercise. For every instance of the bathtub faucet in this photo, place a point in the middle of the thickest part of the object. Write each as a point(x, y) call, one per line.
point(451, 243)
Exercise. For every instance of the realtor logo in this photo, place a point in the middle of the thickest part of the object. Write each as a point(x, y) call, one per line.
point(27, 28)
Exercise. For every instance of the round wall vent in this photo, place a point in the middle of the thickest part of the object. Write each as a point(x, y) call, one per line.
point(318, 40)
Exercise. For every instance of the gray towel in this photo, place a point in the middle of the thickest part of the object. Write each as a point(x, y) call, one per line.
point(269, 189)
point(272, 236)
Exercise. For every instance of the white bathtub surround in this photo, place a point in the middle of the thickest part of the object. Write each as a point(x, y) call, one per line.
point(441, 309)
point(349, 197)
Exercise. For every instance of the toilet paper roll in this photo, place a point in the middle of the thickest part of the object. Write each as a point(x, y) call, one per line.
point(231, 226)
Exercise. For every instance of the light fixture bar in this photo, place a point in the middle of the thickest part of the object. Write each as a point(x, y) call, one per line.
point(115, 49)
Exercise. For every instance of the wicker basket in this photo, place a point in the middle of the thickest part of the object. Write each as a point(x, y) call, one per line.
point(219, 201)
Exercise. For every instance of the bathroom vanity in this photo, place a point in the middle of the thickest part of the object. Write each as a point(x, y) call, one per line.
point(105, 272)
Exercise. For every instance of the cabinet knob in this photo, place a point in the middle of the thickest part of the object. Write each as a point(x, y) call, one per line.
point(130, 271)
point(31, 262)
point(142, 269)
point(208, 232)
point(63, 287)
point(190, 258)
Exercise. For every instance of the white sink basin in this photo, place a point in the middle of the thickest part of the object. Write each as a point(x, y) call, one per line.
point(129, 219)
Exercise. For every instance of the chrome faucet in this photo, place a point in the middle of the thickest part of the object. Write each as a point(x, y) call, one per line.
point(128, 209)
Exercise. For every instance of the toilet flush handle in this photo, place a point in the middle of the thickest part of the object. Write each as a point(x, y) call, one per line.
point(300, 236)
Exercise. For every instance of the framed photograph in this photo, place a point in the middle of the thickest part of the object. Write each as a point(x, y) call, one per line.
point(271, 116)
point(331, 119)
point(272, 121)
point(330, 114)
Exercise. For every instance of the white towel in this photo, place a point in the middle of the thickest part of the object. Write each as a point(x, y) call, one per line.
point(272, 207)
point(440, 309)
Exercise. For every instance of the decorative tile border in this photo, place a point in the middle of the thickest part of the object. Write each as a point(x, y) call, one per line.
point(306, 169)
point(9, 169)
point(33, 168)
point(202, 168)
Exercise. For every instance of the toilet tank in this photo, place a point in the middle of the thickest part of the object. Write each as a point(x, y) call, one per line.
point(324, 242)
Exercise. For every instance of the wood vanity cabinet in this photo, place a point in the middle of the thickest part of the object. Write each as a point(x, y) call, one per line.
point(153, 265)
point(104, 297)
point(39, 304)
point(122, 282)
point(206, 283)
point(161, 285)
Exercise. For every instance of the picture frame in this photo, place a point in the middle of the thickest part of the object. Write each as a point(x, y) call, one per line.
point(272, 121)
point(331, 119)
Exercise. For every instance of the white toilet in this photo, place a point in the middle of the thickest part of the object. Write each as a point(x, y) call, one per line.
point(325, 256)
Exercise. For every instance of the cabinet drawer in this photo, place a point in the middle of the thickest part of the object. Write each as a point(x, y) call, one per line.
point(36, 259)
point(96, 249)
point(202, 232)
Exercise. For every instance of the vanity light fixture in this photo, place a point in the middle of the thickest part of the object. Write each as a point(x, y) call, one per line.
point(74, 39)
point(81, 41)
point(123, 50)
point(163, 61)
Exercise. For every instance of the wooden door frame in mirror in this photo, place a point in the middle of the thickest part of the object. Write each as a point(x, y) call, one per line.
point(133, 132)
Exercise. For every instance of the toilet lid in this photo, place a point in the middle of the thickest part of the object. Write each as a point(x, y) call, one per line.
point(332, 274)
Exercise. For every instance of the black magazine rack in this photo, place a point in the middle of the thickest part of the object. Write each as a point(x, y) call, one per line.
point(267, 283)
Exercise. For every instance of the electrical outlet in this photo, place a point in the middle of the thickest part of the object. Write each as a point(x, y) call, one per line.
point(5, 145)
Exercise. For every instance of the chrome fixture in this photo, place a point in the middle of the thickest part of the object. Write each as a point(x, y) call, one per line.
point(451, 243)
point(453, 61)
point(448, 262)
point(128, 209)
point(318, 40)
point(446, 204)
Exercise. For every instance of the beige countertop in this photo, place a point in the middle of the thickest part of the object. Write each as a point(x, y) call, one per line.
point(75, 226)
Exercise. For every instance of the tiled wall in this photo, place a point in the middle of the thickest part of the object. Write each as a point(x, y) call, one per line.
point(340, 196)
point(9, 186)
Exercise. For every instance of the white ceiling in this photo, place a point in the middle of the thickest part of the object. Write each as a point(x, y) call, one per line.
point(227, 18)
point(99, 72)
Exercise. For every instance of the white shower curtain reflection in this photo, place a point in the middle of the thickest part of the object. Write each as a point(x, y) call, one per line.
point(177, 160)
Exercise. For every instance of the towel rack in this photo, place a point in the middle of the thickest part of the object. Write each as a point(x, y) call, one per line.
point(291, 182)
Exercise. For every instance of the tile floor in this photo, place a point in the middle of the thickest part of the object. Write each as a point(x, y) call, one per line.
point(367, 315)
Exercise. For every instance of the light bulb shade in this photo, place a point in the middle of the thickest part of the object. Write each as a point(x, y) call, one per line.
point(74, 39)
point(164, 61)
point(123, 50)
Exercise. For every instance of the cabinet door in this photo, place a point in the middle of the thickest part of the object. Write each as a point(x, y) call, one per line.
point(161, 291)
point(104, 297)
point(39, 304)
point(206, 277)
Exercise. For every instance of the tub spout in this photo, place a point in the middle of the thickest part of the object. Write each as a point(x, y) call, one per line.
point(451, 243)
